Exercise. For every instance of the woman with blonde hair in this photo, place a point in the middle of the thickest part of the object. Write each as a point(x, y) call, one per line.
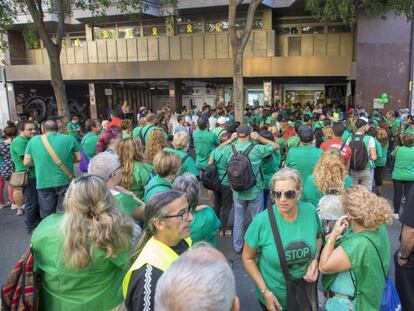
point(166, 166)
point(83, 254)
point(356, 257)
point(327, 133)
point(156, 142)
point(181, 142)
point(381, 161)
point(329, 177)
point(135, 171)
point(127, 127)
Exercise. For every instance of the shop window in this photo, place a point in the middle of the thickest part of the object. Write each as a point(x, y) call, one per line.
point(313, 29)
point(128, 32)
point(339, 29)
point(154, 30)
point(217, 26)
point(287, 30)
point(105, 33)
point(186, 25)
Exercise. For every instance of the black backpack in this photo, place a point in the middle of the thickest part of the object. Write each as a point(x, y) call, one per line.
point(210, 177)
point(359, 153)
point(240, 171)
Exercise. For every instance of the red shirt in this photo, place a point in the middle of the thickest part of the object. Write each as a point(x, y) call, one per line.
point(290, 131)
point(337, 144)
point(115, 122)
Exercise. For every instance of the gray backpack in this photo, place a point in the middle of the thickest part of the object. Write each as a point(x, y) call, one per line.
point(240, 171)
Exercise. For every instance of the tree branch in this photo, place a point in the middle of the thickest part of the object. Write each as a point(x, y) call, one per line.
point(234, 38)
point(249, 22)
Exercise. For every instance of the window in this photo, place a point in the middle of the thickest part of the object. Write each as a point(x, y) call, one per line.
point(187, 25)
point(154, 30)
point(287, 30)
point(77, 42)
point(217, 26)
point(339, 29)
point(105, 33)
point(313, 29)
point(129, 32)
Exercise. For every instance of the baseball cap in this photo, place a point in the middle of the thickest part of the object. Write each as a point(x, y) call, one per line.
point(305, 134)
point(244, 130)
point(222, 120)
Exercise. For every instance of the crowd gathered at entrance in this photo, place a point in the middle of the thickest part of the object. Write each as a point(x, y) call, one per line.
point(300, 189)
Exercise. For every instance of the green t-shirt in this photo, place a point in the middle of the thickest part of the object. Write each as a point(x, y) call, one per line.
point(74, 127)
point(96, 287)
point(313, 195)
point(299, 239)
point(188, 166)
point(88, 144)
point(204, 143)
point(395, 126)
point(126, 202)
point(136, 131)
point(48, 174)
point(141, 172)
point(270, 166)
point(204, 226)
point(293, 142)
point(156, 184)
point(222, 160)
point(345, 136)
point(17, 149)
point(146, 131)
point(219, 131)
point(308, 113)
point(317, 125)
point(256, 156)
point(382, 160)
point(404, 163)
point(303, 159)
point(282, 146)
point(378, 150)
point(366, 265)
point(409, 130)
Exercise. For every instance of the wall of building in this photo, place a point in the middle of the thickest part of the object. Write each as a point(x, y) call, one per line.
point(383, 60)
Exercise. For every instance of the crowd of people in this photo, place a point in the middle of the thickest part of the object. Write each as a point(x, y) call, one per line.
point(299, 189)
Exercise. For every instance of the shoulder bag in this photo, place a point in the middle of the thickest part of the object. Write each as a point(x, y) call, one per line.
point(20, 179)
point(301, 295)
point(55, 158)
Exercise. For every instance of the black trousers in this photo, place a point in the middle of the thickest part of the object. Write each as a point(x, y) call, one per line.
point(379, 175)
point(404, 281)
point(223, 202)
point(400, 187)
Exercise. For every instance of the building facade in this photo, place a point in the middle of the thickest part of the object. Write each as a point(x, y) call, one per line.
point(185, 59)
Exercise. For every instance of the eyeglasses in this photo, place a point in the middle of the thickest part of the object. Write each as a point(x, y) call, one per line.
point(182, 215)
point(290, 194)
point(120, 167)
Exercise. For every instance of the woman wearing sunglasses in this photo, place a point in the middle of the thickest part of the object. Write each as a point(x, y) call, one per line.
point(165, 238)
point(300, 234)
point(83, 254)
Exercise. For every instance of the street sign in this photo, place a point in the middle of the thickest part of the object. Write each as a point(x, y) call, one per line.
point(108, 92)
point(378, 104)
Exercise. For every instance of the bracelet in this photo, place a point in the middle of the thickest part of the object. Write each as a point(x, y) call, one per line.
point(263, 290)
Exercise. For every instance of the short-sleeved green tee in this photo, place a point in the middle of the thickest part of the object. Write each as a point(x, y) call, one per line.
point(303, 159)
point(48, 174)
point(156, 184)
point(136, 131)
point(147, 130)
point(366, 265)
point(404, 163)
point(219, 131)
point(382, 160)
point(204, 143)
point(126, 202)
point(256, 156)
point(17, 149)
point(313, 195)
point(378, 150)
point(88, 144)
point(96, 287)
point(188, 166)
point(345, 136)
point(395, 126)
point(141, 173)
point(221, 162)
point(409, 130)
point(293, 142)
point(204, 226)
point(270, 166)
point(282, 146)
point(299, 239)
point(74, 127)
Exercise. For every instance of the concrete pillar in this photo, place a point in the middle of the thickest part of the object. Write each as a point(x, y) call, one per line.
point(175, 98)
point(7, 104)
point(170, 25)
point(267, 19)
point(89, 32)
point(92, 101)
point(267, 93)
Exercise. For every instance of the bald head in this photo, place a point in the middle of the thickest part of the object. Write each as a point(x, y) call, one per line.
point(50, 126)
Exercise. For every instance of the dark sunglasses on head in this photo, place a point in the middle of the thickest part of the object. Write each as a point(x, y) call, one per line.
point(290, 194)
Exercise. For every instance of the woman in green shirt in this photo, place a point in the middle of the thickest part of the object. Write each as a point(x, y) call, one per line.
point(135, 171)
point(300, 233)
point(83, 255)
point(381, 161)
point(205, 223)
point(403, 172)
point(353, 265)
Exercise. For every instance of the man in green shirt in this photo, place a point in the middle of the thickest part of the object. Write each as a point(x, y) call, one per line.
point(89, 141)
point(221, 127)
point(74, 128)
point(304, 157)
point(17, 149)
point(51, 181)
point(248, 203)
point(204, 142)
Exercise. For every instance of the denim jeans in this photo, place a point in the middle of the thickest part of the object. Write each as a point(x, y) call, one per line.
point(244, 212)
point(363, 177)
point(31, 205)
point(51, 200)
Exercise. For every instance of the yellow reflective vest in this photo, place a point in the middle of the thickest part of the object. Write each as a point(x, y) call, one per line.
point(155, 253)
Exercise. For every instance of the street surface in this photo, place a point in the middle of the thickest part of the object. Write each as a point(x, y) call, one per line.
point(14, 242)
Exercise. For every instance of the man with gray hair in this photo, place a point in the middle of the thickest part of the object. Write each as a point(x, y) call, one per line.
point(200, 280)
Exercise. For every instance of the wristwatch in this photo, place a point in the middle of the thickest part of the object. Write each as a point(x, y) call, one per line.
point(401, 257)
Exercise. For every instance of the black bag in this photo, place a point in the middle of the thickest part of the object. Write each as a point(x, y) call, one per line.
point(359, 154)
point(240, 171)
point(210, 178)
point(301, 295)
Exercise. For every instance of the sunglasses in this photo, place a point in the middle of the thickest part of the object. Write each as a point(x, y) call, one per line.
point(290, 194)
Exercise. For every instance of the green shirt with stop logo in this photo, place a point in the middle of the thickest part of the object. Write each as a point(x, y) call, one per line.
point(299, 239)
point(17, 149)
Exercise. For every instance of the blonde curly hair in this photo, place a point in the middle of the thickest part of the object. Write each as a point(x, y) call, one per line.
point(328, 132)
point(366, 208)
point(156, 142)
point(330, 173)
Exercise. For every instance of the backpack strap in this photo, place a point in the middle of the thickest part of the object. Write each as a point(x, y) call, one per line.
point(156, 186)
point(143, 135)
point(185, 158)
point(247, 151)
point(234, 150)
point(379, 257)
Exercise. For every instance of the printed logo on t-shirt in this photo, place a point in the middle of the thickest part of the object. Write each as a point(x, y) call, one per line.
point(297, 253)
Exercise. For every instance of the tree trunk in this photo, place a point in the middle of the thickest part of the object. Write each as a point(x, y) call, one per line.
point(238, 86)
point(59, 87)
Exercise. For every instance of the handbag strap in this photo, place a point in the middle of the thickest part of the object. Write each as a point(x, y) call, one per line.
point(55, 158)
point(279, 246)
point(379, 256)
